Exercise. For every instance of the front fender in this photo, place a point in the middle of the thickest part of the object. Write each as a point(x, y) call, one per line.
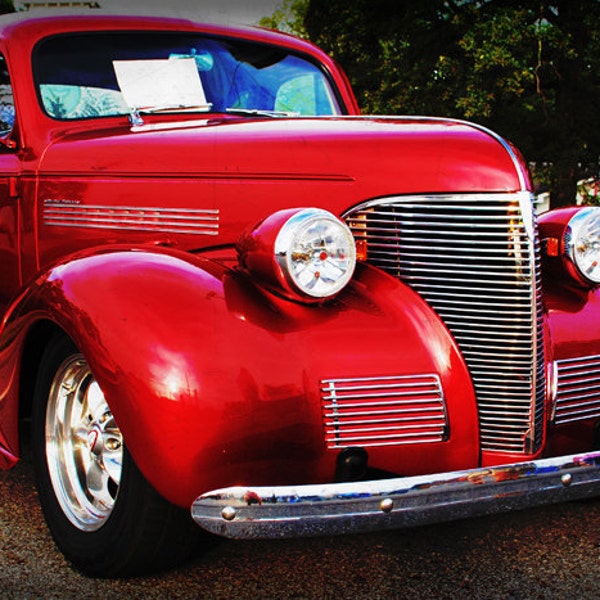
point(214, 381)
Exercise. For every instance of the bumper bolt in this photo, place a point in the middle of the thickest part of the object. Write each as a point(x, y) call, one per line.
point(229, 513)
point(386, 505)
point(566, 479)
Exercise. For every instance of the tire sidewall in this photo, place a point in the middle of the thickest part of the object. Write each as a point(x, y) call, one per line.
point(89, 550)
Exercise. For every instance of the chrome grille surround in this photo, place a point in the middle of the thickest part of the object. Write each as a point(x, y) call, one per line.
point(578, 389)
point(475, 259)
point(383, 411)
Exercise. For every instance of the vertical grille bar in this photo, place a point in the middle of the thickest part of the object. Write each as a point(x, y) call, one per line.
point(475, 260)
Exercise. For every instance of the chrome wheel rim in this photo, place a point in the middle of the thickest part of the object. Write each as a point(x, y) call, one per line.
point(84, 446)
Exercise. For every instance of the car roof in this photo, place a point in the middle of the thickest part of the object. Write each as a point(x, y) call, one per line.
point(30, 28)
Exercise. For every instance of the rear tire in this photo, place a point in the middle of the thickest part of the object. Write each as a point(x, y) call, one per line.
point(103, 514)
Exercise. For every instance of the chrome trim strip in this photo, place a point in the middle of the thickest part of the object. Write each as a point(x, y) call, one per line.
point(326, 509)
point(57, 213)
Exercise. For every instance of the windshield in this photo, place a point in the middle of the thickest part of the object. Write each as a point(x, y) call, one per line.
point(106, 74)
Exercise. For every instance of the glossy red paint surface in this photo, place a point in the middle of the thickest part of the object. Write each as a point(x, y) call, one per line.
point(247, 170)
point(572, 307)
point(216, 382)
point(213, 379)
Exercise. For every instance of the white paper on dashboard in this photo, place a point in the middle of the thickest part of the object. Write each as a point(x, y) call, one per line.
point(157, 83)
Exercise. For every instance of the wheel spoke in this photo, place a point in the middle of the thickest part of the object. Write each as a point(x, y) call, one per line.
point(97, 482)
point(94, 401)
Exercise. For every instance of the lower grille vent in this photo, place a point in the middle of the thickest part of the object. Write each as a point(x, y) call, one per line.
point(383, 411)
point(578, 389)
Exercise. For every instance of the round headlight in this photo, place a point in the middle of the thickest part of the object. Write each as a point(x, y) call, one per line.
point(304, 253)
point(582, 244)
point(316, 253)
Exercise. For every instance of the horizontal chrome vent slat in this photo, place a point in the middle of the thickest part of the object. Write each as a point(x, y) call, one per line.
point(507, 422)
point(579, 377)
point(394, 384)
point(442, 252)
point(580, 391)
point(508, 320)
point(434, 291)
point(576, 372)
point(365, 439)
point(580, 361)
point(417, 263)
point(414, 243)
point(391, 429)
point(579, 407)
point(374, 418)
point(451, 236)
point(460, 280)
point(349, 404)
point(455, 213)
point(492, 383)
point(443, 203)
point(399, 441)
point(133, 215)
point(516, 292)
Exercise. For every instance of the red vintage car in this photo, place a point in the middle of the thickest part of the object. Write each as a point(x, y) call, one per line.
point(224, 291)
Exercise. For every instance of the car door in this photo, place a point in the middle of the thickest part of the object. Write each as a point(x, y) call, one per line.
point(10, 277)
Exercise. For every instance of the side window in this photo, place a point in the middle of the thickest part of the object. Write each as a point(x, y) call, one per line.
point(7, 105)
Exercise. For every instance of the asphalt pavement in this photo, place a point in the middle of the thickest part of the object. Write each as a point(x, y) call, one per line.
point(546, 553)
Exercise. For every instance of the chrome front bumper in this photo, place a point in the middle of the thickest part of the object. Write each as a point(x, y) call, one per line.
point(312, 510)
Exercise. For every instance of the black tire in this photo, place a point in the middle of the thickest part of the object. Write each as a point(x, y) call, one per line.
point(102, 513)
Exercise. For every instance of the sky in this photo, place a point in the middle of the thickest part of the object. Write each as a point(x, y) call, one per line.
point(222, 11)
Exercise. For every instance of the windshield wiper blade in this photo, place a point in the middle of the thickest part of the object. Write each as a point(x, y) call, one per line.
point(174, 108)
point(259, 112)
point(136, 119)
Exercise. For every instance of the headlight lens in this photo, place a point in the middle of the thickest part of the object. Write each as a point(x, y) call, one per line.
point(305, 253)
point(582, 244)
point(316, 253)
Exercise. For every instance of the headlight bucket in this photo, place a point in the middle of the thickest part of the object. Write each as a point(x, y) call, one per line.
point(581, 246)
point(307, 254)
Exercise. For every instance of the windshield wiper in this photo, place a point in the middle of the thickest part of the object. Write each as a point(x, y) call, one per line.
point(259, 112)
point(169, 108)
point(136, 119)
point(135, 116)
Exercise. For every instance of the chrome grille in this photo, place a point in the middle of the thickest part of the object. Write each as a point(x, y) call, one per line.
point(383, 411)
point(475, 260)
point(578, 389)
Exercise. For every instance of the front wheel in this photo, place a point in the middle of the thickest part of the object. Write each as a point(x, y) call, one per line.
point(104, 516)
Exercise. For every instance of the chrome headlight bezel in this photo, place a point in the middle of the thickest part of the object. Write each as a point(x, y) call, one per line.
point(306, 254)
point(581, 246)
point(316, 253)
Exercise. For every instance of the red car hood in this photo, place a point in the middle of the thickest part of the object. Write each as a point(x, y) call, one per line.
point(247, 168)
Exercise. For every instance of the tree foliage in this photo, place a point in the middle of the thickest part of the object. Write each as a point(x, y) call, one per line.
point(530, 69)
point(288, 17)
point(6, 6)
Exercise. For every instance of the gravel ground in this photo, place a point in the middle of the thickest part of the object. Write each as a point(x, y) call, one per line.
point(551, 552)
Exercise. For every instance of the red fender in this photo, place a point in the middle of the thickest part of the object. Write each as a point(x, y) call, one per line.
point(215, 381)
